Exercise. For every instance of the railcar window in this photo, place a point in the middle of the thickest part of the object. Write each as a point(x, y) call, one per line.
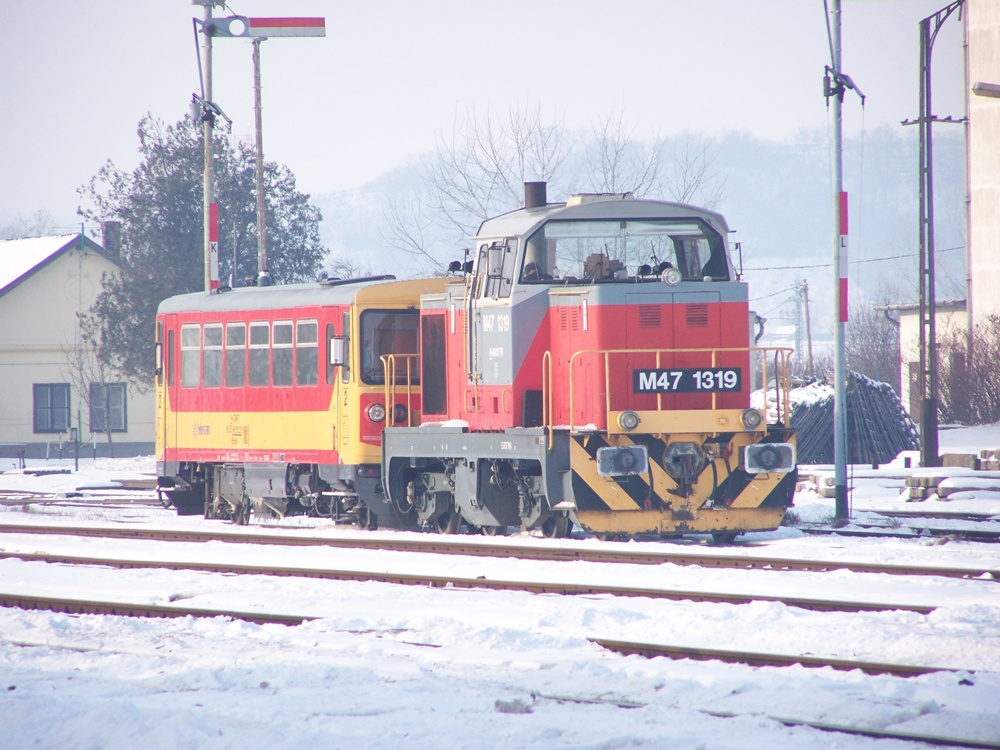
point(159, 352)
point(330, 369)
point(260, 354)
point(236, 354)
point(281, 353)
point(608, 250)
point(190, 355)
point(170, 357)
point(345, 369)
point(385, 332)
point(211, 365)
point(306, 352)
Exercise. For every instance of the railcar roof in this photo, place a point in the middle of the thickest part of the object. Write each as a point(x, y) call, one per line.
point(525, 220)
point(301, 295)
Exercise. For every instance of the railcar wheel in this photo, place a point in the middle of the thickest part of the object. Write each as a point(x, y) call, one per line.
point(556, 527)
point(448, 523)
point(493, 530)
point(724, 537)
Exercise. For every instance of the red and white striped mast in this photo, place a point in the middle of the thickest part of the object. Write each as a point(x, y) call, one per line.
point(836, 83)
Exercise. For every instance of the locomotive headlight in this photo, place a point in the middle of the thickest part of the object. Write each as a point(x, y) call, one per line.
point(376, 412)
point(628, 420)
point(399, 413)
point(671, 277)
point(751, 419)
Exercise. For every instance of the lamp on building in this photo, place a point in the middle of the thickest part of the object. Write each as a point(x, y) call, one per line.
point(991, 90)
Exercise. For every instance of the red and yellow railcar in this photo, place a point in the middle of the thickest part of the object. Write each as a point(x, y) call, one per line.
point(272, 398)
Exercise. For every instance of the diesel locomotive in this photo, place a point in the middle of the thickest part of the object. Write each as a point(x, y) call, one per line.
point(591, 364)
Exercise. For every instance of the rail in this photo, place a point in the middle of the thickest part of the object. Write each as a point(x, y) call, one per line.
point(782, 376)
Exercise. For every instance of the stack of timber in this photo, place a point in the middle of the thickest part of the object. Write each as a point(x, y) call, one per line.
point(878, 427)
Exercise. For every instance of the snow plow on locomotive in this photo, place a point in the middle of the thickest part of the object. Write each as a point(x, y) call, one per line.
point(592, 364)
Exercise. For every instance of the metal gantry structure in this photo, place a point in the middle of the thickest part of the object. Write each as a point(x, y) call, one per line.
point(929, 453)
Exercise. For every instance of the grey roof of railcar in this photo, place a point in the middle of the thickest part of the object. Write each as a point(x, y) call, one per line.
point(525, 220)
point(265, 297)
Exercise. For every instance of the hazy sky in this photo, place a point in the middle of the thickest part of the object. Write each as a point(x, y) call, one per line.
point(391, 75)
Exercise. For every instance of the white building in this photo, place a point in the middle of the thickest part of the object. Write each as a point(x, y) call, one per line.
point(47, 377)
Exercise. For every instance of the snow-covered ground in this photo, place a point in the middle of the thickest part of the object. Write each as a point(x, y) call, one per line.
point(388, 666)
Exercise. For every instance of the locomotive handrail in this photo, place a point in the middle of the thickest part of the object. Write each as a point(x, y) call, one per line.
point(547, 394)
point(782, 380)
point(390, 390)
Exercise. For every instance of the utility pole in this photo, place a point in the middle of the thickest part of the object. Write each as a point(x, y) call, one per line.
point(835, 83)
point(210, 216)
point(804, 290)
point(263, 277)
point(929, 28)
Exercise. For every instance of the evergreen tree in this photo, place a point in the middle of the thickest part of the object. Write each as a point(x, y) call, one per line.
point(160, 207)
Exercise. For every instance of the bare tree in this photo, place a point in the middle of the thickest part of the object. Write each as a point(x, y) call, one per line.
point(969, 374)
point(347, 268)
point(693, 176)
point(871, 340)
point(407, 227)
point(617, 162)
point(481, 169)
point(85, 369)
point(477, 172)
point(39, 225)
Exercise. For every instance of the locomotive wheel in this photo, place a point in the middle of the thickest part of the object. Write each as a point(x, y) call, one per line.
point(448, 523)
point(556, 527)
point(367, 519)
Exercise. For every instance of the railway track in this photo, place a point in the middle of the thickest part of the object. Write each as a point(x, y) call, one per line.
point(69, 605)
point(989, 536)
point(483, 548)
point(820, 604)
point(754, 659)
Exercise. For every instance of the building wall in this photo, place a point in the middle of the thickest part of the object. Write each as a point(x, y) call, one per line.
point(951, 319)
point(38, 338)
point(984, 158)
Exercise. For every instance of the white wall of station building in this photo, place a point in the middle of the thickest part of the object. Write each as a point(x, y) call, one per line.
point(45, 283)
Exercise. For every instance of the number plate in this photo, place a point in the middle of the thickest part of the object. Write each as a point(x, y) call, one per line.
point(688, 380)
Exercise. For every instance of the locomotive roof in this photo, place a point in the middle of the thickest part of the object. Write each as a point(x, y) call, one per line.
point(524, 221)
point(302, 295)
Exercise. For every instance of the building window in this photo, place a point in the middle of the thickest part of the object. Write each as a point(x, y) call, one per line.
point(51, 407)
point(108, 407)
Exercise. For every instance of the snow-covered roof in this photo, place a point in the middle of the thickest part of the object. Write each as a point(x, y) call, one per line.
point(19, 259)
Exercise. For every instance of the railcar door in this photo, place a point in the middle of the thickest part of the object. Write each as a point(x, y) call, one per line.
point(168, 382)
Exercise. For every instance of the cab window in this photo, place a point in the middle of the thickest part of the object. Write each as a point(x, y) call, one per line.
point(389, 332)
